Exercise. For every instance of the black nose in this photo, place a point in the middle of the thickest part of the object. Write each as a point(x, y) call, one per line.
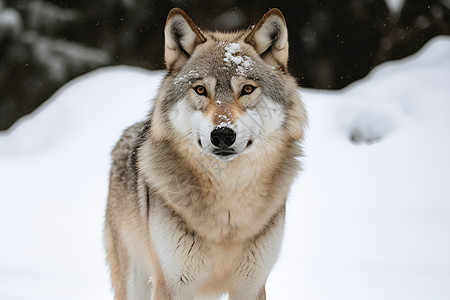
point(223, 137)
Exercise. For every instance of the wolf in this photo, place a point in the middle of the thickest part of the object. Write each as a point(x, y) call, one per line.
point(197, 191)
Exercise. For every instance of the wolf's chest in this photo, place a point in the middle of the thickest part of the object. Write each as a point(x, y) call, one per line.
point(232, 213)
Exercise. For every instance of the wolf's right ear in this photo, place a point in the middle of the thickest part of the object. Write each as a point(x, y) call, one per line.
point(181, 37)
point(270, 38)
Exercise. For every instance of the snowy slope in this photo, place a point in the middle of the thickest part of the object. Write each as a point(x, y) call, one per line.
point(367, 219)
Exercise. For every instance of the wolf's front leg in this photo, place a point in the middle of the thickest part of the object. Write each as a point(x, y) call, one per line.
point(250, 278)
point(248, 293)
point(251, 273)
point(138, 285)
point(162, 292)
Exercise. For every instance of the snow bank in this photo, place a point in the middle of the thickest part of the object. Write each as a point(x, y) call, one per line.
point(369, 218)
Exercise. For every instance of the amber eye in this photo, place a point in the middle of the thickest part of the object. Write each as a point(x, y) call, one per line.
point(247, 90)
point(200, 89)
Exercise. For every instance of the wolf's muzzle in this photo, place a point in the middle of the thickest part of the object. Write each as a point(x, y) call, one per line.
point(224, 152)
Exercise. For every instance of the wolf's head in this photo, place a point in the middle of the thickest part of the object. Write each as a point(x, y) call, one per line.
point(227, 94)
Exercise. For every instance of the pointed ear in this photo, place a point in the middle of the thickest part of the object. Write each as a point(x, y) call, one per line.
point(270, 38)
point(181, 37)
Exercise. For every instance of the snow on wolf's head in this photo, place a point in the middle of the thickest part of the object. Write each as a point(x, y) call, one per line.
point(227, 94)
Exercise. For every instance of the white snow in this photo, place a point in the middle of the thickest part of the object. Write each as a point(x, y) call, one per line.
point(395, 6)
point(186, 78)
point(10, 22)
point(225, 120)
point(366, 220)
point(233, 58)
point(233, 48)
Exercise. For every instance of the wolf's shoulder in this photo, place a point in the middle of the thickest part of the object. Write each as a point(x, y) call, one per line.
point(124, 154)
point(127, 140)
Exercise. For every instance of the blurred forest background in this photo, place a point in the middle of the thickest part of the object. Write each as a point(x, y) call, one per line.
point(45, 43)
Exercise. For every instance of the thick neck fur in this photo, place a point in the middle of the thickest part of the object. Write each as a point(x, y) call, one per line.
point(221, 201)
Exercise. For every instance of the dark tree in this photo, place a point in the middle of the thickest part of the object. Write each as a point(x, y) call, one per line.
point(45, 43)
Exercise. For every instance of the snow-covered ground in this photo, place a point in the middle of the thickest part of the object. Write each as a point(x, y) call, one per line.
point(369, 218)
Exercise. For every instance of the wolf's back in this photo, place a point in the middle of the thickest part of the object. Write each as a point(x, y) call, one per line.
point(124, 169)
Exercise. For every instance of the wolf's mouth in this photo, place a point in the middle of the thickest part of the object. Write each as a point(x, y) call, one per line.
point(224, 152)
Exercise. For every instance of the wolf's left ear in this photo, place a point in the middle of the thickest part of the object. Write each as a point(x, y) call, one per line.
point(181, 37)
point(270, 38)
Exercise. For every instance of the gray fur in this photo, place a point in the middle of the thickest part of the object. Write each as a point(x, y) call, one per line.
point(194, 224)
